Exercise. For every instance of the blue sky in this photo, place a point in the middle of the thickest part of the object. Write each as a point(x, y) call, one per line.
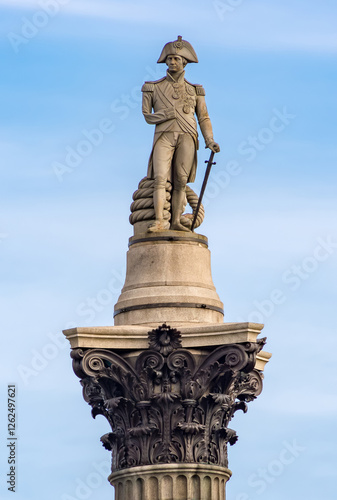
point(271, 224)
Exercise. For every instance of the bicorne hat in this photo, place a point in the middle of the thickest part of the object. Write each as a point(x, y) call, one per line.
point(181, 48)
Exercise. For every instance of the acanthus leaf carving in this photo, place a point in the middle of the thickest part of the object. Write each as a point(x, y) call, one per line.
point(169, 406)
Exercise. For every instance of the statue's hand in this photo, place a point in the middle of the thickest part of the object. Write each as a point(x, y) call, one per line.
point(170, 113)
point(214, 146)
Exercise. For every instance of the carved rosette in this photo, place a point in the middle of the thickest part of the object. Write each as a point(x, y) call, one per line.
point(168, 405)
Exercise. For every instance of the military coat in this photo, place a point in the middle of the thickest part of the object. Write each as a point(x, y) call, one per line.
point(172, 106)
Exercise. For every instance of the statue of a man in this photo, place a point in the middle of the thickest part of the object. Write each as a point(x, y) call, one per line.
point(175, 102)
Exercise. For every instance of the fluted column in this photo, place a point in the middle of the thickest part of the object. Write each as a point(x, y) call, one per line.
point(171, 482)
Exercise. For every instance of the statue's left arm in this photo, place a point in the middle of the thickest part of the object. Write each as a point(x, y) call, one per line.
point(205, 122)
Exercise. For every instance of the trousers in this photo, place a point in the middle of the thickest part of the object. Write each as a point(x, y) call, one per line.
point(173, 158)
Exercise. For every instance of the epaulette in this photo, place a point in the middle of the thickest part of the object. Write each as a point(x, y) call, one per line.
point(198, 88)
point(149, 86)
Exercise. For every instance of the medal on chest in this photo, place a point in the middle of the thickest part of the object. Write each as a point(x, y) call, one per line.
point(184, 93)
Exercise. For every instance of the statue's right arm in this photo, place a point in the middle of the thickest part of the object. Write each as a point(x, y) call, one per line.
point(159, 116)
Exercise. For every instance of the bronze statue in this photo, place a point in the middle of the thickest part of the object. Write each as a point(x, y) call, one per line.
point(171, 104)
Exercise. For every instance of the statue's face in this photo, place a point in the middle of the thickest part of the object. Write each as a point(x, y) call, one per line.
point(174, 63)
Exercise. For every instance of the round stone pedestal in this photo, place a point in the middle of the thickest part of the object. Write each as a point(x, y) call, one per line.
point(171, 482)
point(168, 279)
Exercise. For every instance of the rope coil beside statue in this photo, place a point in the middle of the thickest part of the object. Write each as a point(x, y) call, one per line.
point(142, 207)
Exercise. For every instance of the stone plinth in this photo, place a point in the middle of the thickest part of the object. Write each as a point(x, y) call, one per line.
point(168, 279)
point(136, 336)
point(169, 376)
point(171, 482)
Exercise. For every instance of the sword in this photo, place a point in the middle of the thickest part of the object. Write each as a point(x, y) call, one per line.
point(210, 162)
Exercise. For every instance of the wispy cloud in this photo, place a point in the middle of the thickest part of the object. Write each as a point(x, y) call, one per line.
point(278, 26)
point(144, 12)
point(251, 26)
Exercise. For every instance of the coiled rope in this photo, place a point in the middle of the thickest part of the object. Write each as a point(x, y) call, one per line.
point(142, 205)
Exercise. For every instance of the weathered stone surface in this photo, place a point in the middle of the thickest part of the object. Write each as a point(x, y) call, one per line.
point(171, 104)
point(133, 337)
point(170, 395)
point(168, 278)
point(142, 209)
point(169, 405)
point(171, 482)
